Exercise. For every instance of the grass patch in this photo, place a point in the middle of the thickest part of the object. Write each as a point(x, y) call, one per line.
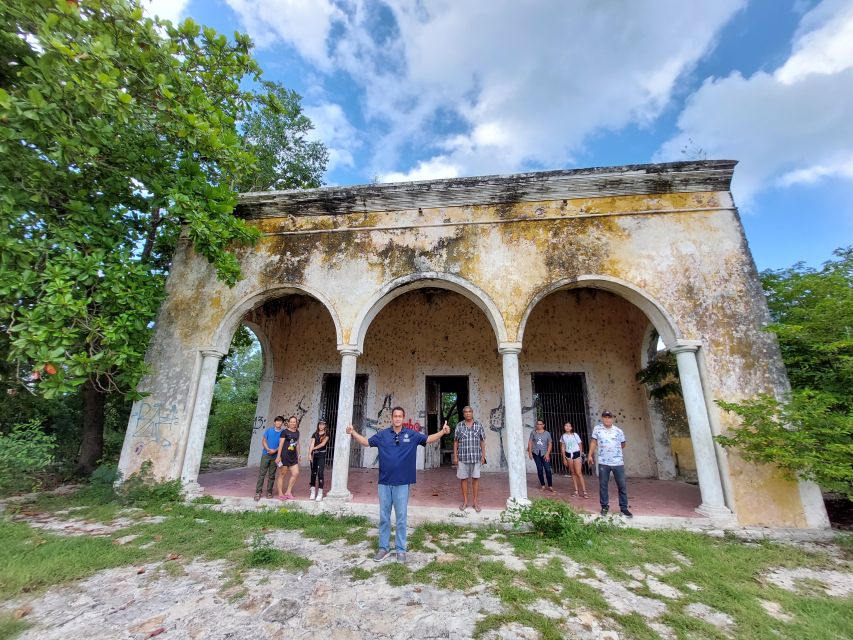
point(31, 560)
point(11, 627)
point(549, 629)
point(397, 574)
point(206, 500)
point(357, 573)
point(511, 594)
point(263, 554)
point(459, 575)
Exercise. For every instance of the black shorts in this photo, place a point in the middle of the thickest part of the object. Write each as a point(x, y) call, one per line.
point(289, 459)
point(574, 455)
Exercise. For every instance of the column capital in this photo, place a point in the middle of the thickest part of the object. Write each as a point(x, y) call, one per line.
point(349, 350)
point(682, 346)
point(212, 352)
point(509, 347)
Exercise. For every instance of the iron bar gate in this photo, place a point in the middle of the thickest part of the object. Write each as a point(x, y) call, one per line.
point(560, 398)
point(329, 413)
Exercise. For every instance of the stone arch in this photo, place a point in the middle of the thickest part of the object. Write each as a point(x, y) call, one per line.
point(655, 312)
point(447, 281)
point(225, 331)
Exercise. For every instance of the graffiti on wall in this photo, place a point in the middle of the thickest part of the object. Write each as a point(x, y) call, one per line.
point(369, 426)
point(382, 420)
point(258, 424)
point(153, 422)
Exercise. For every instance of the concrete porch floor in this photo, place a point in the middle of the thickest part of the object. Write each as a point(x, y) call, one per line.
point(440, 488)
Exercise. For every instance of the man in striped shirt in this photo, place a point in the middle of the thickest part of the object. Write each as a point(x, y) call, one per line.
point(469, 452)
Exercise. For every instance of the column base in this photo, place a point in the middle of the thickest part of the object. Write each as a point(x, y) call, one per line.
point(514, 503)
point(338, 496)
point(191, 489)
point(720, 515)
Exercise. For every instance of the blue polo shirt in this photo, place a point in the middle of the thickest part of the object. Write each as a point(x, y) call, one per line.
point(397, 462)
point(272, 437)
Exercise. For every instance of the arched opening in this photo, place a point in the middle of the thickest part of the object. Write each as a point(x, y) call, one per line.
point(583, 347)
point(431, 350)
point(297, 337)
point(668, 420)
point(234, 407)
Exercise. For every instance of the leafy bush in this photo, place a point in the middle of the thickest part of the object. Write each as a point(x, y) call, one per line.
point(229, 429)
point(262, 552)
point(141, 490)
point(24, 451)
point(556, 520)
point(811, 434)
point(804, 437)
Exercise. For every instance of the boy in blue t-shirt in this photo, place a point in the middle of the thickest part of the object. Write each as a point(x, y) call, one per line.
point(271, 442)
point(397, 469)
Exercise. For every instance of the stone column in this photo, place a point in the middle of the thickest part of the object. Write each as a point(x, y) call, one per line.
point(198, 422)
point(710, 486)
point(340, 466)
point(513, 423)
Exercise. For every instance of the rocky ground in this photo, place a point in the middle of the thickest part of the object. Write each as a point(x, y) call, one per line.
point(342, 596)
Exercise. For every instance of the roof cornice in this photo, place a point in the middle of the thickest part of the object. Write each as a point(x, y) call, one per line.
point(636, 179)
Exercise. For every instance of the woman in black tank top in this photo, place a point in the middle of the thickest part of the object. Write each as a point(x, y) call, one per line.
point(317, 457)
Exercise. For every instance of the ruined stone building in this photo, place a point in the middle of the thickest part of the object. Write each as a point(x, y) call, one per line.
point(523, 295)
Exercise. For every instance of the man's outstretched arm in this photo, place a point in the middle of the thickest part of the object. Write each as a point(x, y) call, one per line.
point(360, 439)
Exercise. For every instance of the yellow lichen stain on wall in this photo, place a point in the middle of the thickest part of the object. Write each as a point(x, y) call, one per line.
point(763, 496)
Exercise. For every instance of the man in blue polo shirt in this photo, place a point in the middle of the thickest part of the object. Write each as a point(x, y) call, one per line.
point(398, 457)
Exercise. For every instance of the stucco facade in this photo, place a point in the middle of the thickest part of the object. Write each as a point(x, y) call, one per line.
point(496, 279)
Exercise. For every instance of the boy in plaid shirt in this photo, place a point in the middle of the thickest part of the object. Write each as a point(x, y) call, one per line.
point(469, 452)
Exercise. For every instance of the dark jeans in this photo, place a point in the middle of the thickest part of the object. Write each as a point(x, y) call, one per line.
point(604, 480)
point(318, 465)
point(543, 464)
point(267, 465)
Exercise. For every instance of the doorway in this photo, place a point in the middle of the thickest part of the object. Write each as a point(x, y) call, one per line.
point(446, 396)
point(561, 398)
point(329, 412)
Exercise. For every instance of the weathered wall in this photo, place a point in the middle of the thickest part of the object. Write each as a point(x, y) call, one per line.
point(664, 237)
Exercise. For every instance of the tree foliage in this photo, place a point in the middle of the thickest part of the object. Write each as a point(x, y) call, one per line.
point(120, 134)
point(811, 433)
point(235, 397)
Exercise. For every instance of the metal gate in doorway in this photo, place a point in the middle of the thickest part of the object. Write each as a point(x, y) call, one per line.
point(560, 398)
point(329, 412)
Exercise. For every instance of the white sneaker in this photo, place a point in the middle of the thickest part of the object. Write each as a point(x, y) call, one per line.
point(319, 495)
point(311, 495)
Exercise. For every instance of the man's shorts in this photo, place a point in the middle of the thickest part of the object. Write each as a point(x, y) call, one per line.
point(468, 470)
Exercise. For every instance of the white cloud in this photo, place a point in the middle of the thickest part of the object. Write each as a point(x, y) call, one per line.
point(167, 9)
point(824, 43)
point(433, 169)
point(333, 129)
point(792, 126)
point(305, 24)
point(523, 82)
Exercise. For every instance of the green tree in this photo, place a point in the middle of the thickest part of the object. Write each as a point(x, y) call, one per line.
point(119, 134)
point(811, 433)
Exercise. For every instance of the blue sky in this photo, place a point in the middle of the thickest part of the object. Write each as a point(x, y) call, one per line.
point(423, 89)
